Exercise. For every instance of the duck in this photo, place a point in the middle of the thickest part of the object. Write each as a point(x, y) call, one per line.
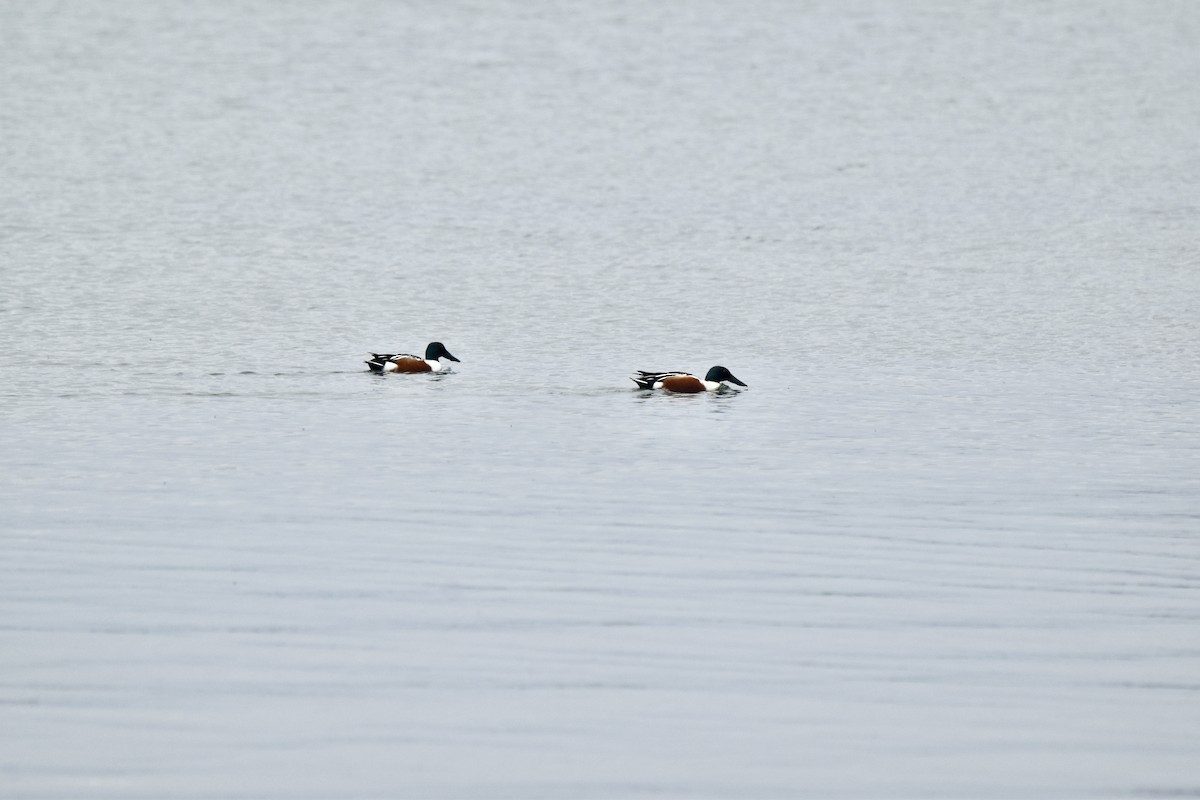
point(715, 380)
point(405, 362)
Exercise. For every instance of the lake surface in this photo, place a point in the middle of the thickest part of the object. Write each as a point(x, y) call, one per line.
point(946, 544)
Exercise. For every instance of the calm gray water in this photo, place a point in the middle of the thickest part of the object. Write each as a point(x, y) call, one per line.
point(945, 545)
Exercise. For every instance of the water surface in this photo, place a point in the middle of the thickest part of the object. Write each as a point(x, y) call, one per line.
point(945, 545)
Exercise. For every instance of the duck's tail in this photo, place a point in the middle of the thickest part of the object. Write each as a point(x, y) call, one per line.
point(377, 362)
point(646, 380)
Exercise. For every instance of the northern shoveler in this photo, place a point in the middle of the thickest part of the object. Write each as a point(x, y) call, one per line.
point(404, 362)
point(685, 382)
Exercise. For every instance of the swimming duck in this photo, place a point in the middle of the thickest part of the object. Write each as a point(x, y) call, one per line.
point(685, 382)
point(404, 362)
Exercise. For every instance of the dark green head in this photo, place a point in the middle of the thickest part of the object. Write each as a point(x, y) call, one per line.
point(438, 350)
point(721, 374)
